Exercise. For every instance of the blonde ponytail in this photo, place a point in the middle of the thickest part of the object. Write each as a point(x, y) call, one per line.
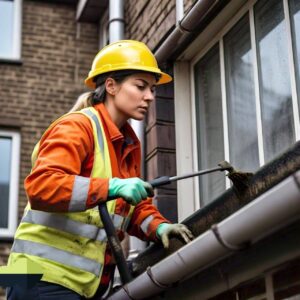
point(83, 101)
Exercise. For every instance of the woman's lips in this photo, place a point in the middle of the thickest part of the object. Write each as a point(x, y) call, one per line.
point(144, 109)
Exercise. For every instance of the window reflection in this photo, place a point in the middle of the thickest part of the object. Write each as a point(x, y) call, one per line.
point(275, 85)
point(5, 163)
point(6, 28)
point(209, 123)
point(295, 23)
point(243, 143)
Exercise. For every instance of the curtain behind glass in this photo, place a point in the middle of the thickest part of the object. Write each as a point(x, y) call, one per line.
point(295, 22)
point(5, 163)
point(209, 124)
point(275, 85)
point(242, 126)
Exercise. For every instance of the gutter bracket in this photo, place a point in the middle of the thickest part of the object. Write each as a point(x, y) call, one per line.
point(214, 228)
point(182, 28)
point(125, 288)
point(116, 19)
point(161, 285)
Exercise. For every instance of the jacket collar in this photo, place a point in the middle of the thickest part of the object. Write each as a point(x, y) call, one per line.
point(126, 133)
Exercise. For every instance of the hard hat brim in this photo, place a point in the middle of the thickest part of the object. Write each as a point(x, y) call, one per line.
point(164, 77)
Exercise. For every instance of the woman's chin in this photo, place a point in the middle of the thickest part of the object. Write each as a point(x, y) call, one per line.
point(138, 117)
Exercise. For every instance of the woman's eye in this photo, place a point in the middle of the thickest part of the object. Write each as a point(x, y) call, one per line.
point(141, 87)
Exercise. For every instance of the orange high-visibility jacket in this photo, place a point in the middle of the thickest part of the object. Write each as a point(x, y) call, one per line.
point(67, 150)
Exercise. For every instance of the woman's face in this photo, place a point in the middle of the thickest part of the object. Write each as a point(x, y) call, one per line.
point(133, 96)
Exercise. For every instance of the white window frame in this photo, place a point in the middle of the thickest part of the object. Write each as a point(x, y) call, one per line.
point(16, 50)
point(14, 184)
point(185, 110)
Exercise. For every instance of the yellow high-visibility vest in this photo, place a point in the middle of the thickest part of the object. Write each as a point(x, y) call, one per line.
point(70, 247)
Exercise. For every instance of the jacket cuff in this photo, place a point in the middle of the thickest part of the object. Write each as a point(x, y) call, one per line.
point(98, 192)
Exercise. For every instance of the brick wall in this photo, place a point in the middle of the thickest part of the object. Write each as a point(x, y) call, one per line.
point(56, 55)
point(150, 22)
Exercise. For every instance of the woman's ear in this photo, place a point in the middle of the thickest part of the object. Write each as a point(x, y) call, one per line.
point(110, 86)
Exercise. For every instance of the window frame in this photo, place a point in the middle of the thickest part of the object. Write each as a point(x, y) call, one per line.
point(14, 184)
point(213, 34)
point(17, 34)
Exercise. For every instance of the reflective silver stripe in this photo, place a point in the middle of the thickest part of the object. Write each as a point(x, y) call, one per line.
point(79, 194)
point(55, 254)
point(99, 131)
point(65, 224)
point(126, 223)
point(145, 224)
point(117, 220)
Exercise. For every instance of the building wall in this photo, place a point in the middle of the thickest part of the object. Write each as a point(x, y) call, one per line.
point(56, 56)
point(151, 22)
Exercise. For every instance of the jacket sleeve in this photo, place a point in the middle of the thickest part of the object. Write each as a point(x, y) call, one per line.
point(59, 181)
point(145, 220)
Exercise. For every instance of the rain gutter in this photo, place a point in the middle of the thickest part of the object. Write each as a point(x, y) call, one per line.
point(186, 28)
point(271, 211)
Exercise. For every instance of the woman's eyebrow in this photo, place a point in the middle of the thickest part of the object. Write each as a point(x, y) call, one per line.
point(144, 81)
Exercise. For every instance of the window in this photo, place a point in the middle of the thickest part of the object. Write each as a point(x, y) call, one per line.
point(247, 91)
point(295, 26)
point(209, 118)
point(9, 181)
point(10, 29)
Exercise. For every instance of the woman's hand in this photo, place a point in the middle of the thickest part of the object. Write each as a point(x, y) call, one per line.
point(132, 190)
point(165, 231)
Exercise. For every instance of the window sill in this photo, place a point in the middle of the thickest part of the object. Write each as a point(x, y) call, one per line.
point(11, 61)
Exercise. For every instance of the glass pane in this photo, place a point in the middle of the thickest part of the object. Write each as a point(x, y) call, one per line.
point(242, 128)
point(275, 86)
point(295, 21)
point(5, 163)
point(209, 124)
point(6, 28)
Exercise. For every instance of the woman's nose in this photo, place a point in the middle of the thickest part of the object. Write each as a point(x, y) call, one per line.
point(149, 95)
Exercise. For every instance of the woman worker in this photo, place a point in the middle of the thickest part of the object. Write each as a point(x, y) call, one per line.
point(82, 159)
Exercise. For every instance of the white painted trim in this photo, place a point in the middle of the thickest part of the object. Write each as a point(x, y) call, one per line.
point(292, 70)
point(256, 90)
point(194, 138)
point(224, 106)
point(18, 29)
point(184, 140)
point(14, 184)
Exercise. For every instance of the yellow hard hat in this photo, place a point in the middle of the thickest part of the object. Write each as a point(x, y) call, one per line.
point(125, 55)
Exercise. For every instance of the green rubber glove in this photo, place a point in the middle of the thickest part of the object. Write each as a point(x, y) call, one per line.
point(164, 231)
point(132, 190)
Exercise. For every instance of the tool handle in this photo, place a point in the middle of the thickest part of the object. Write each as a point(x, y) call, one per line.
point(163, 180)
point(114, 244)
